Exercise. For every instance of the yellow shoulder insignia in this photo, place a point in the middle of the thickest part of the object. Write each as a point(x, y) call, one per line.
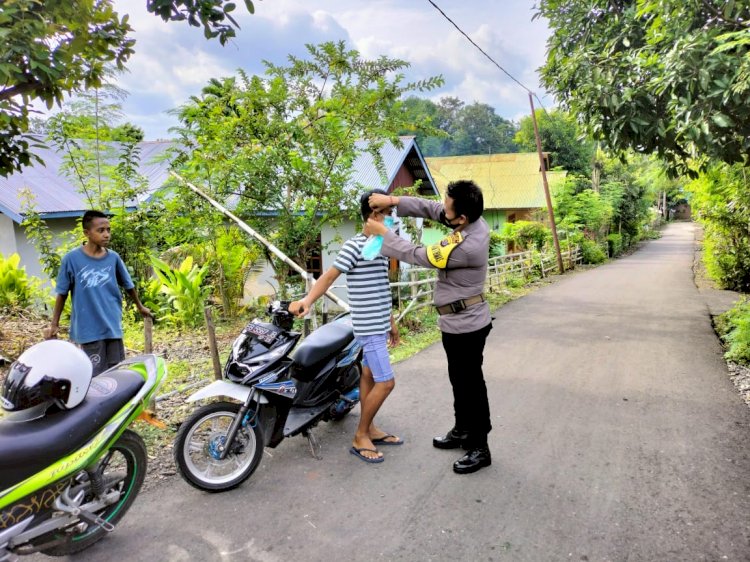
point(439, 252)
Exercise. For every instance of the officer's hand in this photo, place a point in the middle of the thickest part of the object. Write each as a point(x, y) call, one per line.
point(299, 308)
point(380, 202)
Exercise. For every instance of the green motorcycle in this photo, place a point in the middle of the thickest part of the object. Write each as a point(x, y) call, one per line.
point(69, 466)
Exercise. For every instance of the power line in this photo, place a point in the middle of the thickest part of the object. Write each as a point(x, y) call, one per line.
point(508, 74)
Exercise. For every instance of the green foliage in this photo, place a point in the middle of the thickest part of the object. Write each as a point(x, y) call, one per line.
point(592, 252)
point(497, 244)
point(734, 328)
point(656, 76)
point(614, 245)
point(721, 201)
point(577, 206)
point(184, 289)
point(284, 143)
point(526, 235)
point(55, 48)
point(462, 129)
point(16, 289)
point(561, 137)
point(39, 234)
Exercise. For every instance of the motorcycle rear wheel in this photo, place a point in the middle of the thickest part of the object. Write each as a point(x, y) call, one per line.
point(128, 454)
point(195, 449)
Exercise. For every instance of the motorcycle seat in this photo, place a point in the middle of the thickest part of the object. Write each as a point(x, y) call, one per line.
point(30, 446)
point(320, 346)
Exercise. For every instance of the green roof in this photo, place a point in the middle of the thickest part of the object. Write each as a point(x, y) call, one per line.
point(508, 181)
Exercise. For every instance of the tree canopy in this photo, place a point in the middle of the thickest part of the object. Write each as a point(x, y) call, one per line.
point(658, 76)
point(52, 48)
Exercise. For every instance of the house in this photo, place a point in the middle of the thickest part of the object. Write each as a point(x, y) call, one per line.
point(57, 200)
point(511, 185)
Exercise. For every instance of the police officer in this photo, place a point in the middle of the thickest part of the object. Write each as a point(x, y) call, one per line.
point(461, 260)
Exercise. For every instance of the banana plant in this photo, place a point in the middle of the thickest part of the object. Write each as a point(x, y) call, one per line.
point(16, 289)
point(184, 290)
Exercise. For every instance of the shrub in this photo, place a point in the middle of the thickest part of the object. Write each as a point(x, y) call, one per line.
point(526, 235)
point(592, 252)
point(16, 289)
point(614, 245)
point(734, 328)
point(184, 289)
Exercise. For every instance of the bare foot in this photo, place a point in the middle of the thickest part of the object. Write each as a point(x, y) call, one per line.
point(366, 447)
point(380, 436)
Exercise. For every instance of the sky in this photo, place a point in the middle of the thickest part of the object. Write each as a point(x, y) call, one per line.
point(173, 61)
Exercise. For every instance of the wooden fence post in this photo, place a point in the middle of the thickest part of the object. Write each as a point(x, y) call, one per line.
point(148, 347)
point(212, 342)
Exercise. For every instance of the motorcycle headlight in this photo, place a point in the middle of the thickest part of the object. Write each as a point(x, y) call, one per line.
point(269, 357)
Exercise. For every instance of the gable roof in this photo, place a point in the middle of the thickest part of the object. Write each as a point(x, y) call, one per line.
point(508, 181)
point(365, 173)
point(55, 196)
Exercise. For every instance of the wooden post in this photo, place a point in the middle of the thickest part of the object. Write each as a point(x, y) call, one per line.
point(148, 347)
point(212, 342)
point(546, 187)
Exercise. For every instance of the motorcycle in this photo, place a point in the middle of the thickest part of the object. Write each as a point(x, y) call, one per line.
point(275, 396)
point(68, 477)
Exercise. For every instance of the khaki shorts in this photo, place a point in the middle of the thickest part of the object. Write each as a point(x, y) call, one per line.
point(104, 354)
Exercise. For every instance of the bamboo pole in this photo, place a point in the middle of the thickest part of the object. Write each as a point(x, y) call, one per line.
point(260, 238)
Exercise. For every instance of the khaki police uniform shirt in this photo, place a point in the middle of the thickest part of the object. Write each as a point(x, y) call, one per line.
point(466, 270)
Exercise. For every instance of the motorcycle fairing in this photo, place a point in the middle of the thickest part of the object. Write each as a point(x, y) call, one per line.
point(153, 370)
point(232, 390)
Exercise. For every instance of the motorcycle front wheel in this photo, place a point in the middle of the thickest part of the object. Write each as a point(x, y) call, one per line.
point(196, 449)
point(122, 470)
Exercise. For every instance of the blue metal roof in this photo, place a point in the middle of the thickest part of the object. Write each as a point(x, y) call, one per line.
point(55, 196)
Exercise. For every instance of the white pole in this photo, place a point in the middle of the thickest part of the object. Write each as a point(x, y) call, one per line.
point(260, 238)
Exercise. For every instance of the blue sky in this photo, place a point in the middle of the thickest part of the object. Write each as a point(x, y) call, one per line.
point(173, 61)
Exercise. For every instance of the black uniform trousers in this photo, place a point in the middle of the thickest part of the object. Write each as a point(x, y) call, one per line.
point(471, 407)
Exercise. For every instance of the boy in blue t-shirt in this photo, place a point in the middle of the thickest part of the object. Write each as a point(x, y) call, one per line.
point(374, 328)
point(93, 275)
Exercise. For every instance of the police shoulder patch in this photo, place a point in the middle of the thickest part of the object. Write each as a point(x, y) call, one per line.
point(439, 252)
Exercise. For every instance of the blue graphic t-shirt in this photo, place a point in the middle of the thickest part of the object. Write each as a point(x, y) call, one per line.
point(94, 285)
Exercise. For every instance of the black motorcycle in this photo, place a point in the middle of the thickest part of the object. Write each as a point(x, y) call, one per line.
point(274, 395)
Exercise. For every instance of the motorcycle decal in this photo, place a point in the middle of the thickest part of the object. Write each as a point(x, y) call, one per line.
point(352, 352)
point(285, 388)
point(269, 378)
point(31, 505)
point(102, 386)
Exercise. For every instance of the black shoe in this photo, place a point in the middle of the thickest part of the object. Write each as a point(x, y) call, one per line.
point(451, 440)
point(473, 461)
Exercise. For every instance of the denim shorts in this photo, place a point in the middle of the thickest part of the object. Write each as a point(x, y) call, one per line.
point(375, 356)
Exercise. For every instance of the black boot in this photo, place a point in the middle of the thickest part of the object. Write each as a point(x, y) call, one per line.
point(451, 440)
point(472, 461)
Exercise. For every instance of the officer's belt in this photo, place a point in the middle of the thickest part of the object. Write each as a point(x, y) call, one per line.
point(459, 305)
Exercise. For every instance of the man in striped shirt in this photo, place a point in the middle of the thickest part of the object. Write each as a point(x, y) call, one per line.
point(374, 328)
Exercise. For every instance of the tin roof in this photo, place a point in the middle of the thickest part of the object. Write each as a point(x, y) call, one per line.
point(508, 181)
point(365, 174)
point(55, 196)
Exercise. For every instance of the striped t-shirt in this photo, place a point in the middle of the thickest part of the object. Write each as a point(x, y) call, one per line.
point(367, 283)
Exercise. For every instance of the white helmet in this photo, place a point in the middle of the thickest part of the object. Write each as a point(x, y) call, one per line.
point(51, 372)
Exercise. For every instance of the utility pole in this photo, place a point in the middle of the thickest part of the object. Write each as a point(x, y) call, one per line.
point(542, 166)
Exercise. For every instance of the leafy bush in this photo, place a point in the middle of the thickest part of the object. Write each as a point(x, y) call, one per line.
point(526, 235)
point(592, 252)
point(184, 289)
point(614, 245)
point(16, 289)
point(734, 328)
point(497, 244)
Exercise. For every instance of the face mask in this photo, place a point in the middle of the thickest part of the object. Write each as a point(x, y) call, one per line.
point(445, 222)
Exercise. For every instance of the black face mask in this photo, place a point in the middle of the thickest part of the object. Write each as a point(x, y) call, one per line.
point(445, 222)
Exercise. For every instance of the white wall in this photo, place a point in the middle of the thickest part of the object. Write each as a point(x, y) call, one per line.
point(7, 236)
point(29, 255)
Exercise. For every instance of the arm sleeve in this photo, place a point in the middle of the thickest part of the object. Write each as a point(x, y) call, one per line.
point(417, 207)
point(65, 277)
point(396, 247)
point(123, 277)
point(347, 257)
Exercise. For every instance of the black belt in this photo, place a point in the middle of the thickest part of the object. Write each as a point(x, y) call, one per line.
point(459, 305)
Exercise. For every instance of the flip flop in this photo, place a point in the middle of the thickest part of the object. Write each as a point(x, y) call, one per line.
point(382, 440)
point(358, 453)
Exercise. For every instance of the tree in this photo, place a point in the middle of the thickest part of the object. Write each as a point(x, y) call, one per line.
point(658, 76)
point(280, 147)
point(560, 137)
point(53, 48)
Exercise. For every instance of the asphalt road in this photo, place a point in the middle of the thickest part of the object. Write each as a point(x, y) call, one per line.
point(617, 436)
